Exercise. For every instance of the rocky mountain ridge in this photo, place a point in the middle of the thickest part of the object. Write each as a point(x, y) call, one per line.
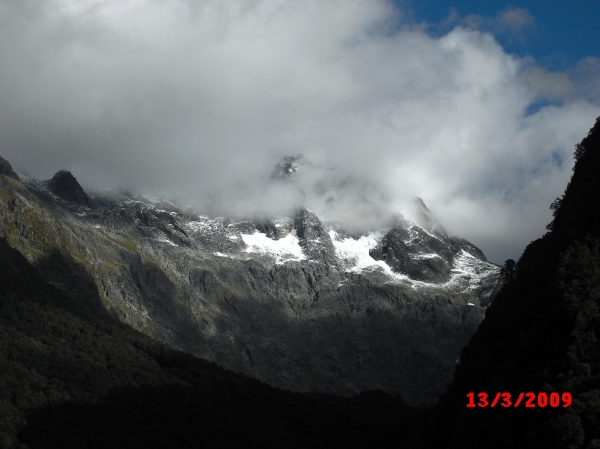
point(298, 303)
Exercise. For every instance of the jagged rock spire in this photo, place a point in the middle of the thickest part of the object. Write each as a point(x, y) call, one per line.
point(65, 185)
point(7, 170)
point(428, 220)
point(286, 168)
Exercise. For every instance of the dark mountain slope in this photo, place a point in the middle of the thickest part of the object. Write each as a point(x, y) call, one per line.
point(294, 301)
point(7, 170)
point(64, 185)
point(73, 376)
point(541, 334)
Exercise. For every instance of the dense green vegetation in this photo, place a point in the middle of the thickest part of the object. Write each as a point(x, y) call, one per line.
point(72, 376)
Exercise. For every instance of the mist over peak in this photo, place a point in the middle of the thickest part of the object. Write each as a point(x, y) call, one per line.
point(200, 102)
point(359, 201)
point(287, 167)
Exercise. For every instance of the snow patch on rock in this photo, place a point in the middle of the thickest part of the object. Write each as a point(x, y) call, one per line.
point(354, 254)
point(284, 249)
point(165, 240)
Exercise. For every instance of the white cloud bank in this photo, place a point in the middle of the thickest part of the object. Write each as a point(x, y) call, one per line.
point(202, 98)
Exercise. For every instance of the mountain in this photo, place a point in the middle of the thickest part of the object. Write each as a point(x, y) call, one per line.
point(540, 336)
point(7, 170)
point(72, 376)
point(296, 302)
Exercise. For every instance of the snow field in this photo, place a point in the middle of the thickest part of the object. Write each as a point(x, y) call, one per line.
point(286, 248)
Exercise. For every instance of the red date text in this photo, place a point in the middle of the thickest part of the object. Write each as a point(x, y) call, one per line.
point(527, 400)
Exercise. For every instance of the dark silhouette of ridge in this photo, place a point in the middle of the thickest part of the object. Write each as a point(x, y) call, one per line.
point(540, 335)
point(7, 170)
point(65, 185)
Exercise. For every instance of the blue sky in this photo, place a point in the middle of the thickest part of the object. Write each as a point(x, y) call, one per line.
point(560, 34)
point(473, 106)
point(557, 35)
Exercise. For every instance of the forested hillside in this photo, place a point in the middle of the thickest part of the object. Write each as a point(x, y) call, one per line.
point(71, 376)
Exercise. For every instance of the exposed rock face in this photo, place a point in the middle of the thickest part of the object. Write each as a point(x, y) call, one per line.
point(7, 170)
point(428, 221)
point(295, 302)
point(64, 185)
point(409, 249)
point(286, 168)
point(313, 237)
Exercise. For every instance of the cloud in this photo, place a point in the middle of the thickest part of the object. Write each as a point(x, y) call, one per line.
point(200, 99)
point(547, 85)
point(514, 24)
point(515, 19)
point(587, 79)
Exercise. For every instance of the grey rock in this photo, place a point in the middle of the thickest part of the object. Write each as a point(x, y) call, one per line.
point(288, 300)
point(7, 170)
point(314, 239)
point(428, 221)
point(64, 185)
point(286, 168)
